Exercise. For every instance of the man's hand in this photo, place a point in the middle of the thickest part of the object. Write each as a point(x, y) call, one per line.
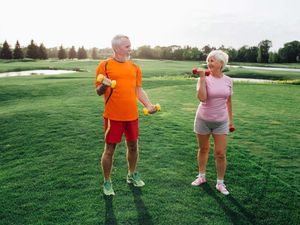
point(151, 109)
point(106, 81)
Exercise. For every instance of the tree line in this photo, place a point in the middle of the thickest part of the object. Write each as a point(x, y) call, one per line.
point(289, 53)
point(34, 51)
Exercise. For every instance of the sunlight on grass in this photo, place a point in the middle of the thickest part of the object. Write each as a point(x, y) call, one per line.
point(52, 141)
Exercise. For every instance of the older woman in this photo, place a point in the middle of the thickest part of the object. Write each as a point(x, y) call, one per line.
point(213, 116)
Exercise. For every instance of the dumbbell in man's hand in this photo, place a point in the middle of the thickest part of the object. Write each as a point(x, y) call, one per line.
point(146, 111)
point(104, 80)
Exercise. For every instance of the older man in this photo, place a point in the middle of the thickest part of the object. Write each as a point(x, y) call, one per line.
point(120, 109)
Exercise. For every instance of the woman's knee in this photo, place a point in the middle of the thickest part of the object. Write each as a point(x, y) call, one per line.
point(204, 149)
point(221, 155)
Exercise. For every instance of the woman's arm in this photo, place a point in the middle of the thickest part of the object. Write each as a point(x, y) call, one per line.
point(202, 94)
point(229, 109)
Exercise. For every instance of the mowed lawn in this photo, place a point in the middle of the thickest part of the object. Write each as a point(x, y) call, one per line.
point(52, 140)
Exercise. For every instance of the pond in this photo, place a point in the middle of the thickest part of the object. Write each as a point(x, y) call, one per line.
point(266, 68)
point(56, 72)
point(35, 72)
point(250, 80)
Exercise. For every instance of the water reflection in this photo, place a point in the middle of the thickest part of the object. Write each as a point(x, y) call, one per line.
point(35, 72)
point(250, 80)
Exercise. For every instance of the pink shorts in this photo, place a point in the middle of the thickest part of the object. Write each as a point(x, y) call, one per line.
point(114, 130)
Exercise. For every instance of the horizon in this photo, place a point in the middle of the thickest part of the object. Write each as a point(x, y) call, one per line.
point(92, 23)
point(12, 46)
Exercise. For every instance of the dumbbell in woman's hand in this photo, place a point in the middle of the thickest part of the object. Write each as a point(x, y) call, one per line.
point(195, 71)
point(146, 111)
point(100, 79)
point(231, 128)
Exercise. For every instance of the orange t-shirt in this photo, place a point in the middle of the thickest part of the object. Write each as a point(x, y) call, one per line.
point(122, 104)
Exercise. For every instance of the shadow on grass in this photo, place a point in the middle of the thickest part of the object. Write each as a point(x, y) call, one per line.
point(144, 218)
point(237, 217)
point(110, 217)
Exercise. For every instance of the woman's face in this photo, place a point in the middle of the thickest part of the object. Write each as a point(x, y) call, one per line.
point(213, 64)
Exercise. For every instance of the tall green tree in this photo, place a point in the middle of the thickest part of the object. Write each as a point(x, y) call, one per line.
point(263, 51)
point(251, 54)
point(52, 52)
point(95, 53)
point(62, 53)
point(82, 54)
point(290, 53)
point(196, 54)
point(32, 51)
point(144, 52)
point(232, 54)
point(166, 52)
point(72, 53)
point(178, 54)
point(274, 57)
point(43, 52)
point(18, 53)
point(206, 50)
point(6, 52)
point(241, 53)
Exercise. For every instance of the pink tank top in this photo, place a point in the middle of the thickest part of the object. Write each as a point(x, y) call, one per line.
point(215, 107)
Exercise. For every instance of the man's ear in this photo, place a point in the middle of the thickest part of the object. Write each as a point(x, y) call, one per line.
point(115, 49)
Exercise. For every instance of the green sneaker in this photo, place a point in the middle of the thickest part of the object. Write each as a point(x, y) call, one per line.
point(107, 188)
point(135, 180)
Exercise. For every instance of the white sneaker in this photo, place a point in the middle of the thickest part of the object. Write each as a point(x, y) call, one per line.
point(199, 180)
point(222, 188)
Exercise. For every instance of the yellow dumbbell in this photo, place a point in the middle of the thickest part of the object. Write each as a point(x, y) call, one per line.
point(146, 111)
point(101, 77)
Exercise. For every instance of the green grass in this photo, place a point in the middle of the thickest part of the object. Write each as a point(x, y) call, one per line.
point(52, 141)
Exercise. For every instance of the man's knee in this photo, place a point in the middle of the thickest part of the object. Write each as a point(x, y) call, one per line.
point(132, 146)
point(109, 150)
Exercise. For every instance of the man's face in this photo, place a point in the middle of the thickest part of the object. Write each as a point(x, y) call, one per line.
point(124, 48)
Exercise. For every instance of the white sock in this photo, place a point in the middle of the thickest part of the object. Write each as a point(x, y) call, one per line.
point(201, 175)
point(220, 181)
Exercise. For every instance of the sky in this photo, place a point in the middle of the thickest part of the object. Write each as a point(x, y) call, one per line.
point(196, 23)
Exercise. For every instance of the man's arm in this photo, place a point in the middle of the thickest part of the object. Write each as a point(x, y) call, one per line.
point(102, 87)
point(143, 98)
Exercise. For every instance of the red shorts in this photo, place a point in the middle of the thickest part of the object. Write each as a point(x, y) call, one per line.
point(114, 130)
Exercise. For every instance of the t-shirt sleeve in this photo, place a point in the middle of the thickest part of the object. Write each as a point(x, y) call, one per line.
point(231, 86)
point(99, 70)
point(138, 77)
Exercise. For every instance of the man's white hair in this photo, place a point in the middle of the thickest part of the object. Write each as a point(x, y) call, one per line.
point(115, 42)
point(220, 56)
